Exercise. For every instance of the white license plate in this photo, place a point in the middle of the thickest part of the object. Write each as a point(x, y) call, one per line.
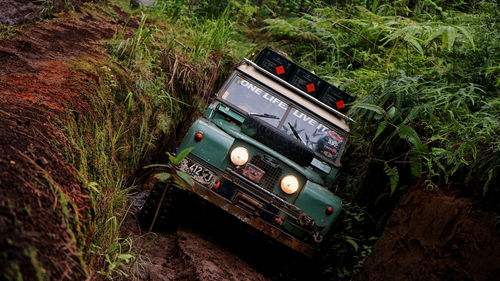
point(198, 172)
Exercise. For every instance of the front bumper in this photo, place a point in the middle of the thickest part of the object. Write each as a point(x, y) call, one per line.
point(259, 208)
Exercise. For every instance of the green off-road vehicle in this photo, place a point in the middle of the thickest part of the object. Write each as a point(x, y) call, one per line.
point(267, 151)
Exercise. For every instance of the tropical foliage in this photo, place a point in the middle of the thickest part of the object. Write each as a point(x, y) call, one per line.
point(425, 75)
point(427, 94)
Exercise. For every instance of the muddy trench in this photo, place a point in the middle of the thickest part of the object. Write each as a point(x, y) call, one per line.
point(40, 190)
point(209, 244)
point(429, 236)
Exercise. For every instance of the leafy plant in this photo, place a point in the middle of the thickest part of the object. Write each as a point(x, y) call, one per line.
point(351, 243)
point(407, 106)
point(117, 256)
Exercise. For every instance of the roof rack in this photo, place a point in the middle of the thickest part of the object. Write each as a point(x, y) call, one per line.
point(280, 66)
point(298, 90)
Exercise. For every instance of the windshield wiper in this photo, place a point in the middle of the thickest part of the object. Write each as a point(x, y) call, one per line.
point(295, 132)
point(265, 115)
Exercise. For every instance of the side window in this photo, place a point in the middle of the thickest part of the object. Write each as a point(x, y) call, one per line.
point(313, 133)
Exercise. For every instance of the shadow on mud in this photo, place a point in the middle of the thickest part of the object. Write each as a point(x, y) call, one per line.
point(271, 259)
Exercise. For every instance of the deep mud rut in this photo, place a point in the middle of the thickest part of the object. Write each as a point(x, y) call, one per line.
point(186, 253)
point(211, 245)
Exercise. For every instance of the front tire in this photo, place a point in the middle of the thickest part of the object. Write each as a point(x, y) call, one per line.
point(169, 214)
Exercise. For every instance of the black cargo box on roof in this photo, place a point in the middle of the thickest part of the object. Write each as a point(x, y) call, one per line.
point(275, 63)
point(306, 81)
point(335, 97)
point(303, 79)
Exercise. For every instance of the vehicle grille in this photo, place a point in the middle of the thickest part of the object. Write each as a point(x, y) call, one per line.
point(272, 175)
point(290, 209)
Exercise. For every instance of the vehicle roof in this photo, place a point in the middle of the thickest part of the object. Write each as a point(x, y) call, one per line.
point(327, 113)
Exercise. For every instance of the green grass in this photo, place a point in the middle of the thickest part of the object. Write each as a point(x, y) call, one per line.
point(8, 31)
point(102, 160)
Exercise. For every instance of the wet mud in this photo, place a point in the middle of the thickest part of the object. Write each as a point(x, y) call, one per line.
point(433, 235)
point(211, 245)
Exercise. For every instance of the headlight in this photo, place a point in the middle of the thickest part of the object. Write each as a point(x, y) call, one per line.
point(289, 184)
point(239, 156)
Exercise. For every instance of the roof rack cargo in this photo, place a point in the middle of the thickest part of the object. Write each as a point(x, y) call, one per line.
point(303, 79)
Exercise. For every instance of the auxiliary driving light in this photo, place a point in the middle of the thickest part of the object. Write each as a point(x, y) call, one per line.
point(289, 184)
point(239, 156)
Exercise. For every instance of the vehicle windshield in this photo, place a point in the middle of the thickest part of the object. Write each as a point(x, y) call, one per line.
point(255, 99)
point(263, 103)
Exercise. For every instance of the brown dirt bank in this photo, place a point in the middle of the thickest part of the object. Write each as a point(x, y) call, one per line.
point(40, 197)
point(24, 11)
point(436, 236)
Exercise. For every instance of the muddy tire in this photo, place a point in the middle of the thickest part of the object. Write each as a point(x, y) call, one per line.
point(170, 211)
point(278, 140)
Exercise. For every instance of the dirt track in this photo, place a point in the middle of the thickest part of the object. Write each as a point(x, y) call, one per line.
point(212, 245)
point(186, 253)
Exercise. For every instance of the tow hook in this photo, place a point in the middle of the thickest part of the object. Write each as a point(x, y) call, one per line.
point(317, 237)
point(306, 221)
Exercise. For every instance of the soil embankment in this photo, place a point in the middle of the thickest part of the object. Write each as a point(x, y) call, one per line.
point(41, 199)
point(25, 11)
point(436, 236)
